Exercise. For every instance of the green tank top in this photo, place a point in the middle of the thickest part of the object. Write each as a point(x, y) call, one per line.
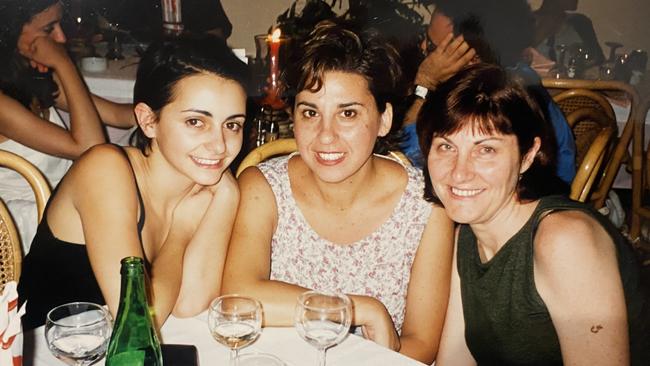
point(506, 320)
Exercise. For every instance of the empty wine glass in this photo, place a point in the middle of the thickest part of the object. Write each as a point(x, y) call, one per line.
point(235, 321)
point(323, 319)
point(78, 333)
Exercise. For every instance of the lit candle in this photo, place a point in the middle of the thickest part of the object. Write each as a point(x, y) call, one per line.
point(272, 97)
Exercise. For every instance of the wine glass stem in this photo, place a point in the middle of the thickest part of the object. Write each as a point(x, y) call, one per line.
point(321, 356)
point(234, 359)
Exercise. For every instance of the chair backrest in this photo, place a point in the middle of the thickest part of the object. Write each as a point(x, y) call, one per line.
point(617, 90)
point(11, 258)
point(287, 146)
point(10, 248)
point(587, 172)
point(586, 124)
point(573, 99)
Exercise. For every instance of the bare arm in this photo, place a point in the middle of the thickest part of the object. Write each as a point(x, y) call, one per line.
point(248, 265)
point(206, 253)
point(448, 58)
point(453, 348)
point(577, 276)
point(114, 114)
point(110, 230)
point(428, 290)
point(19, 124)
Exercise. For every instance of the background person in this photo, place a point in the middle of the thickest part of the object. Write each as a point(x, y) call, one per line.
point(336, 217)
point(493, 34)
point(170, 200)
point(538, 279)
point(37, 75)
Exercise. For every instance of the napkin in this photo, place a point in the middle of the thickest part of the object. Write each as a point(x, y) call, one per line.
point(11, 336)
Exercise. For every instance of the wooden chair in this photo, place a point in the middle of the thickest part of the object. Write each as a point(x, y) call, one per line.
point(10, 248)
point(633, 128)
point(287, 146)
point(639, 209)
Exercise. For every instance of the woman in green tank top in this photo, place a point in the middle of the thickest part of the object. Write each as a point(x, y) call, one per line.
point(539, 279)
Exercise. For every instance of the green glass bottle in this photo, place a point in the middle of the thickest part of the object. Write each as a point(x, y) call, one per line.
point(134, 341)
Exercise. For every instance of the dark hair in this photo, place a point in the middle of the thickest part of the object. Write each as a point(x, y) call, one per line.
point(485, 98)
point(338, 47)
point(499, 31)
point(17, 79)
point(166, 62)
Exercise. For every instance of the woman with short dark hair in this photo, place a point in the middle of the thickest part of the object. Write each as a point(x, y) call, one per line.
point(538, 279)
point(336, 217)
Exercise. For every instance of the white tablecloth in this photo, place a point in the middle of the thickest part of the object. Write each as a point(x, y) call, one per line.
point(115, 84)
point(281, 342)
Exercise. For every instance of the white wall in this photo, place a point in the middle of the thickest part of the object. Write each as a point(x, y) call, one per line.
point(624, 21)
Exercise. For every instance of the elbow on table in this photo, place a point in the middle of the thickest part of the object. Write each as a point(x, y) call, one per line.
point(188, 308)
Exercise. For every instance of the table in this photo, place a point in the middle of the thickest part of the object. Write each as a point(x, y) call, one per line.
point(281, 342)
point(115, 84)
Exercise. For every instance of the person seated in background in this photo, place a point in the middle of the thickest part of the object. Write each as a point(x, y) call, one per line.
point(36, 77)
point(336, 217)
point(538, 279)
point(556, 23)
point(493, 34)
point(143, 18)
point(170, 199)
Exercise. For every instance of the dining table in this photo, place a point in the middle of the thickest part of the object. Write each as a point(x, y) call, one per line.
point(282, 342)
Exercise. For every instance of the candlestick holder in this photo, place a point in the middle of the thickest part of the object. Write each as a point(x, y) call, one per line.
point(272, 120)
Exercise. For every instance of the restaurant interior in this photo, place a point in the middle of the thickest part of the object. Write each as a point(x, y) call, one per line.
point(600, 82)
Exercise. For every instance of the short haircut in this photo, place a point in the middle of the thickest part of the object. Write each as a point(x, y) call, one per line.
point(487, 99)
point(339, 47)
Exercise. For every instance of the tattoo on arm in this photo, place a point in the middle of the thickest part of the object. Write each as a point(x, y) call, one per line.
point(596, 328)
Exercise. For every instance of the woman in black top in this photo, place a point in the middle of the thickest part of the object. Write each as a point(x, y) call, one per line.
point(171, 200)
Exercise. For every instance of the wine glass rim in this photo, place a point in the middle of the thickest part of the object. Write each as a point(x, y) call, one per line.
point(258, 304)
point(302, 297)
point(92, 307)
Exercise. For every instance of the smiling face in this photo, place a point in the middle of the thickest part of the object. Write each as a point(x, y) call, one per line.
point(337, 126)
point(200, 132)
point(475, 175)
point(44, 24)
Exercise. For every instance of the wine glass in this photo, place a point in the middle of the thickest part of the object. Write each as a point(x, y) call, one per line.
point(323, 319)
point(77, 333)
point(235, 321)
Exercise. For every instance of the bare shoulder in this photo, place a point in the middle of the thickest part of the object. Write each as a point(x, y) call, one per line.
point(101, 166)
point(570, 236)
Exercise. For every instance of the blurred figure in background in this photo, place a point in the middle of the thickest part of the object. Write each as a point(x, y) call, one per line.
point(36, 77)
point(556, 23)
point(467, 31)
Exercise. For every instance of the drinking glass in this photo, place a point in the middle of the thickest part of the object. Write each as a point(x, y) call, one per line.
point(323, 319)
point(78, 333)
point(235, 321)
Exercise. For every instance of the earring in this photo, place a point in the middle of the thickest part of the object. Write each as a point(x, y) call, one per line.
point(520, 176)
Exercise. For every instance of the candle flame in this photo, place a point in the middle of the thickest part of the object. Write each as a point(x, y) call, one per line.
point(275, 37)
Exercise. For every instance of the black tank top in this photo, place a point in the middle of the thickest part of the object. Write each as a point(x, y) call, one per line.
point(56, 272)
point(506, 320)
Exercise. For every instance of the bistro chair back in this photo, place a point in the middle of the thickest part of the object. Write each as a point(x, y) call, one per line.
point(632, 132)
point(574, 99)
point(267, 151)
point(10, 248)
